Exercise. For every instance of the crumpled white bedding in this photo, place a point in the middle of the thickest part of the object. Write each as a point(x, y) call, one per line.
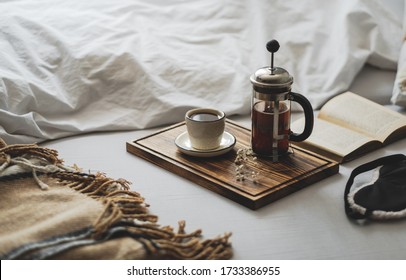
point(70, 67)
point(399, 89)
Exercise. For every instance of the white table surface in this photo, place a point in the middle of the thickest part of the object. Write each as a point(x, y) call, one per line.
point(308, 224)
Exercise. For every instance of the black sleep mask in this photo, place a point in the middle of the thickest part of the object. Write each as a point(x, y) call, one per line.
point(385, 197)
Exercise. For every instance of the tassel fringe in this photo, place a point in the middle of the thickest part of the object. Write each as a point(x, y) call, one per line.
point(120, 204)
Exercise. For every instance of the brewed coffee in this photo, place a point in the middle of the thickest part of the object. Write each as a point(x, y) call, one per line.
point(262, 128)
point(204, 117)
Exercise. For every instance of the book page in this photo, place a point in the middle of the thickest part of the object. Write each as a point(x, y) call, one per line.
point(362, 115)
point(332, 138)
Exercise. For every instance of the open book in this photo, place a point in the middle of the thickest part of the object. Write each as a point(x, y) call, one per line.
point(349, 125)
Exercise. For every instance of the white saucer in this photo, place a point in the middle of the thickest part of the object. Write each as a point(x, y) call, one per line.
point(184, 145)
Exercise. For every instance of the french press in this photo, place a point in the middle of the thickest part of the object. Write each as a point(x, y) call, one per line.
point(271, 110)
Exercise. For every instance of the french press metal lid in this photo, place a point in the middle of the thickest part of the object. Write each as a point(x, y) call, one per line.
point(272, 83)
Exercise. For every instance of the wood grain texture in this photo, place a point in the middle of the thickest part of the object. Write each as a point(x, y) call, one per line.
point(218, 174)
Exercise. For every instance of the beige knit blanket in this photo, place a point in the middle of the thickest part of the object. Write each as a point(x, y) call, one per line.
point(51, 211)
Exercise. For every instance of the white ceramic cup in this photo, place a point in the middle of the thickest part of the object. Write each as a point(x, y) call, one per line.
point(205, 127)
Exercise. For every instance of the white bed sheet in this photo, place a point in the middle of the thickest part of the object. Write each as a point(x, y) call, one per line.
point(71, 67)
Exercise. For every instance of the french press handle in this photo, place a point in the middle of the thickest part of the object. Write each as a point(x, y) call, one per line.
point(309, 118)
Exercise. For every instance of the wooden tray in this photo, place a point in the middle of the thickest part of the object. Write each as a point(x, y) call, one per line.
point(218, 174)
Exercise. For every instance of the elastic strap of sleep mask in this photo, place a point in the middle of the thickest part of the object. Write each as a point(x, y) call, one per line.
point(387, 160)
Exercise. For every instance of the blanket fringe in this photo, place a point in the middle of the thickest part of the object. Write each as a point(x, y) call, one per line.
point(120, 205)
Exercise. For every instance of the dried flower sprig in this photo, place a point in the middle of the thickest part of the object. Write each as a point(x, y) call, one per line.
point(243, 171)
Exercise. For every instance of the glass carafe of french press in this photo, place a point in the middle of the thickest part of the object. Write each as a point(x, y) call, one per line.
point(271, 109)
